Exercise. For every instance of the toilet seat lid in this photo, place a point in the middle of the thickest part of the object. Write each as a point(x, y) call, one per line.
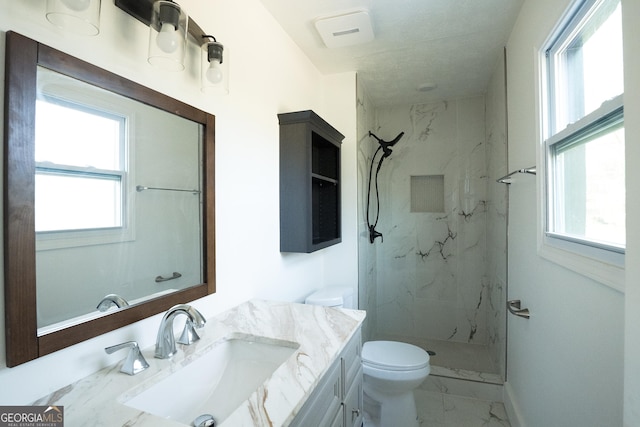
point(394, 356)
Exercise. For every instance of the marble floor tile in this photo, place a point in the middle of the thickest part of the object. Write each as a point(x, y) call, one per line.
point(444, 410)
point(430, 407)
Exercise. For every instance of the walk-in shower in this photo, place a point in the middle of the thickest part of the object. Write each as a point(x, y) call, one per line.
point(438, 280)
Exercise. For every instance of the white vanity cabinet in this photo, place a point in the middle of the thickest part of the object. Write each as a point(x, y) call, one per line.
point(337, 400)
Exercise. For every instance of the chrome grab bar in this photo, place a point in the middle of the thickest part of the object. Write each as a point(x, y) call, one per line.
point(175, 275)
point(514, 307)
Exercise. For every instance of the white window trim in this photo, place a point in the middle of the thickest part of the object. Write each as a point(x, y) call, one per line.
point(563, 253)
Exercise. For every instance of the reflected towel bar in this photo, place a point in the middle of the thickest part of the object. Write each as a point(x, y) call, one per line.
point(175, 275)
point(507, 178)
point(140, 188)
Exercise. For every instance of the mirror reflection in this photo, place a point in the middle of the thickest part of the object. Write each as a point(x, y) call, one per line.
point(118, 202)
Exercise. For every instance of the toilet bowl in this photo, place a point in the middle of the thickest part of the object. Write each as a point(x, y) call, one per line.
point(391, 370)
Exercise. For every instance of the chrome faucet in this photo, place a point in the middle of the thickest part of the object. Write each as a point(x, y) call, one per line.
point(112, 299)
point(166, 342)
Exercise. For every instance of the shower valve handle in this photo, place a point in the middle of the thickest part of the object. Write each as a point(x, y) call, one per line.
point(374, 234)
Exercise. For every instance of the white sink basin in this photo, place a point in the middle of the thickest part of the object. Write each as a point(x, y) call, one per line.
point(215, 383)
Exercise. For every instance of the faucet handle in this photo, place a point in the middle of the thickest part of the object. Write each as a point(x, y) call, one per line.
point(135, 361)
point(189, 334)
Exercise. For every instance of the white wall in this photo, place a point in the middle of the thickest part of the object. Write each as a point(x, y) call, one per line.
point(631, 32)
point(565, 364)
point(268, 75)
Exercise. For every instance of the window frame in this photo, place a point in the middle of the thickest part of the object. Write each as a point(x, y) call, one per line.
point(600, 262)
point(59, 239)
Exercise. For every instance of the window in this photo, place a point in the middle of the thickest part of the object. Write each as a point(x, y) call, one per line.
point(584, 131)
point(80, 170)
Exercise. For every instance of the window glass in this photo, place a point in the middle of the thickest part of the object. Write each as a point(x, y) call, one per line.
point(585, 151)
point(589, 187)
point(61, 135)
point(75, 202)
point(586, 63)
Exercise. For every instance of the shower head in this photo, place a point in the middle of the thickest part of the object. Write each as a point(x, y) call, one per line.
point(386, 145)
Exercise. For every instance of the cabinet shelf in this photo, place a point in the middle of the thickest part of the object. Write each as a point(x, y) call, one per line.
point(309, 182)
point(324, 179)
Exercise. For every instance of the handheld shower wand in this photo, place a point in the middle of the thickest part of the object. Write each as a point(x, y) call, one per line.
point(385, 146)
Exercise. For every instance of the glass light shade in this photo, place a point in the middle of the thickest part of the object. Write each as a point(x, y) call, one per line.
point(78, 16)
point(214, 68)
point(167, 36)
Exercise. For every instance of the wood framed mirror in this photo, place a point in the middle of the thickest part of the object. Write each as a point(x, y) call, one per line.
point(25, 338)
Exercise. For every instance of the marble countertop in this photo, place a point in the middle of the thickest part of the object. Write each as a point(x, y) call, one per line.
point(321, 333)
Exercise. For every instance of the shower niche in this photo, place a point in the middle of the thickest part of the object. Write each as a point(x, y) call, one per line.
point(309, 182)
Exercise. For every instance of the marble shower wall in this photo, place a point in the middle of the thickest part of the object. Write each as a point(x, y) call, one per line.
point(432, 279)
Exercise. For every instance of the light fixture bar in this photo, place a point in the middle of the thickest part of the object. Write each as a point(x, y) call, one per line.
point(141, 10)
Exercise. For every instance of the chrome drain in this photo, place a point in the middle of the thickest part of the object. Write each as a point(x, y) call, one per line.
point(204, 420)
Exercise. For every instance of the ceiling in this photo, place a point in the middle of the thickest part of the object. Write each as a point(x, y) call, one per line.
point(452, 44)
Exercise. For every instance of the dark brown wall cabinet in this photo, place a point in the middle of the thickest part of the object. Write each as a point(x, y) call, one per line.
point(309, 182)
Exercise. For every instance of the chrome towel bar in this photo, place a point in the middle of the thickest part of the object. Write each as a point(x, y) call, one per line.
point(140, 188)
point(507, 178)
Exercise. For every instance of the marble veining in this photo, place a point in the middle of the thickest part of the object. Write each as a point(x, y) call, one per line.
point(441, 292)
point(441, 275)
point(320, 333)
point(439, 246)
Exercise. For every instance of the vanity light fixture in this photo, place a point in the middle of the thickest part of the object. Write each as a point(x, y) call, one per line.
point(168, 35)
point(212, 58)
point(78, 16)
point(169, 29)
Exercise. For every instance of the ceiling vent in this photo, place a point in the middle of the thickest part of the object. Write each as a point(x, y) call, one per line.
point(345, 30)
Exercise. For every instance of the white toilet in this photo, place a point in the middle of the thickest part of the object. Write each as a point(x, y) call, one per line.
point(391, 370)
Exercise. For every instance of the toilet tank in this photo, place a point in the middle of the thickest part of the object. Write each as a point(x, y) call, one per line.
point(334, 296)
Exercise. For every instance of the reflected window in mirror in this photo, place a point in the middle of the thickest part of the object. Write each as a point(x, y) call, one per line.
point(83, 164)
point(78, 181)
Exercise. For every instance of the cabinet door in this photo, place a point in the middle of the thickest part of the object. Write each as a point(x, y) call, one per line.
point(353, 407)
point(351, 358)
point(325, 402)
point(309, 183)
point(338, 421)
